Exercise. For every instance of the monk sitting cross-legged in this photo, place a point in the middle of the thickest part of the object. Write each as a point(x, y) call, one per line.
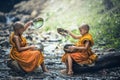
point(83, 55)
point(27, 57)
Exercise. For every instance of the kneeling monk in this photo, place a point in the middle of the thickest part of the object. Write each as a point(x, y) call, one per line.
point(26, 56)
point(83, 55)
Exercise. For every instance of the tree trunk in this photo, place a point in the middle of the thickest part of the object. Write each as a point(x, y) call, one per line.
point(106, 61)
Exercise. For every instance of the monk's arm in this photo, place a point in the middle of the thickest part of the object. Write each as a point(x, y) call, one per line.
point(27, 25)
point(73, 35)
point(17, 43)
point(87, 44)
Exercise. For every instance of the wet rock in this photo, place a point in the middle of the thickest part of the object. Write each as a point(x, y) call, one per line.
point(5, 44)
point(15, 78)
point(34, 14)
point(40, 46)
point(59, 78)
point(29, 37)
point(55, 40)
point(96, 50)
point(16, 19)
point(29, 8)
point(2, 51)
point(14, 66)
point(48, 78)
point(2, 39)
point(5, 34)
point(111, 49)
point(1, 32)
point(50, 63)
point(5, 27)
point(102, 44)
point(25, 18)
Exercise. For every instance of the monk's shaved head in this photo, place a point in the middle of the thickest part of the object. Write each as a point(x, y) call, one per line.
point(17, 26)
point(84, 26)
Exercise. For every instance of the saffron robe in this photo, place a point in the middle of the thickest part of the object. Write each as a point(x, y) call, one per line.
point(82, 57)
point(28, 59)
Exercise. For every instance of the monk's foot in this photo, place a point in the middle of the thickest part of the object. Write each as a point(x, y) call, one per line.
point(70, 73)
point(63, 71)
point(45, 70)
point(90, 65)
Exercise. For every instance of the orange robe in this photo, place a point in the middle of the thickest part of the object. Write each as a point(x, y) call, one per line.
point(81, 57)
point(28, 59)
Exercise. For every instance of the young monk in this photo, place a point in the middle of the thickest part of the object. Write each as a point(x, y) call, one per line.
point(81, 57)
point(26, 56)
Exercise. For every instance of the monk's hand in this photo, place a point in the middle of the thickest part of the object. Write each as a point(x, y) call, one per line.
point(32, 47)
point(71, 48)
point(67, 31)
point(29, 23)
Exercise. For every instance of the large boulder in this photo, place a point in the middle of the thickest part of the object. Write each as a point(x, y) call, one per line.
point(106, 61)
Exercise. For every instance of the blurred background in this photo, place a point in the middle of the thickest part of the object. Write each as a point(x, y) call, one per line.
point(103, 17)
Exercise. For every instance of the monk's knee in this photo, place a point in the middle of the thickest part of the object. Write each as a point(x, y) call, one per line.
point(68, 56)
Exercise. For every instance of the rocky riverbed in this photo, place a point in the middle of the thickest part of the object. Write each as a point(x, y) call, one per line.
point(53, 50)
point(53, 47)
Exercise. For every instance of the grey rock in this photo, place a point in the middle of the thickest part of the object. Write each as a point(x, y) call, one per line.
point(5, 44)
point(59, 78)
point(48, 78)
point(2, 39)
point(111, 49)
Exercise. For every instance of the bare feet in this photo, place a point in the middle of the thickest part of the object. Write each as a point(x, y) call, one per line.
point(63, 71)
point(44, 67)
point(70, 73)
point(45, 70)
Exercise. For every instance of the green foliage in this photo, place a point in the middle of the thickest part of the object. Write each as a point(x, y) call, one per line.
point(103, 16)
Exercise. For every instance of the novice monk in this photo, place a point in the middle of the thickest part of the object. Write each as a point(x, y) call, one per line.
point(26, 56)
point(82, 56)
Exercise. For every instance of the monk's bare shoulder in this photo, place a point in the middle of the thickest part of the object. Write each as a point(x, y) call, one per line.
point(15, 38)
